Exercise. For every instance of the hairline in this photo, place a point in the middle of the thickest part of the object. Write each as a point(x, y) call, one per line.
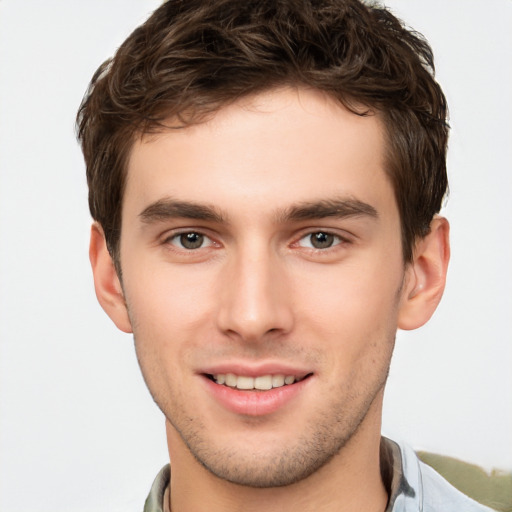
point(148, 129)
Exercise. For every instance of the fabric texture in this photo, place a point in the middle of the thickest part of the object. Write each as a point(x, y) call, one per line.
point(492, 488)
point(413, 485)
point(418, 488)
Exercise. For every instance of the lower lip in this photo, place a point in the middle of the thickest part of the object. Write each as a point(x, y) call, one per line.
point(254, 403)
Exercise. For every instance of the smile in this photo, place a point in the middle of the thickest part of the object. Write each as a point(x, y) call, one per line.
point(253, 392)
point(261, 383)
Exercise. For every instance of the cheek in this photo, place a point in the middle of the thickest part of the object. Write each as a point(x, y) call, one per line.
point(351, 291)
point(171, 314)
point(164, 299)
point(353, 309)
point(163, 326)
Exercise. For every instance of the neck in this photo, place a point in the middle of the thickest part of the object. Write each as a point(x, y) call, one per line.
point(350, 481)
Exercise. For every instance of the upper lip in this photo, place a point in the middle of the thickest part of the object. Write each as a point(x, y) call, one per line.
point(256, 370)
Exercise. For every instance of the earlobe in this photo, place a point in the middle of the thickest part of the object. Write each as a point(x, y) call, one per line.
point(426, 277)
point(106, 281)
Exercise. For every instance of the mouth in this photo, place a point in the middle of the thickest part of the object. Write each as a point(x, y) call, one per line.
point(256, 392)
point(258, 383)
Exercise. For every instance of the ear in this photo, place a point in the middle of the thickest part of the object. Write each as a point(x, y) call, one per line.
point(106, 282)
point(425, 276)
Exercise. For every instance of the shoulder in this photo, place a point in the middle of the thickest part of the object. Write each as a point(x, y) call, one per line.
point(439, 495)
point(423, 489)
point(155, 499)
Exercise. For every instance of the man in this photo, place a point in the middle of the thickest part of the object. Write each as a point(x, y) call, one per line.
point(265, 179)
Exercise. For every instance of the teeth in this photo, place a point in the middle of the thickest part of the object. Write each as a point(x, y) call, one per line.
point(245, 383)
point(231, 380)
point(262, 383)
point(278, 381)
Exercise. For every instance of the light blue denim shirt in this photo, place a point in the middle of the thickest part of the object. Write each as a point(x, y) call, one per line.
point(414, 486)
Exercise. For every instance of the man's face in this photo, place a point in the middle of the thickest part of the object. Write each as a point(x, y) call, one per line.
point(262, 248)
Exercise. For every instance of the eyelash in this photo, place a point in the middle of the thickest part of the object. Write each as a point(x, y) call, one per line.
point(335, 240)
point(176, 240)
point(179, 237)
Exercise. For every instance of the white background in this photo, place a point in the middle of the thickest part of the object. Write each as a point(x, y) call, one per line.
point(78, 430)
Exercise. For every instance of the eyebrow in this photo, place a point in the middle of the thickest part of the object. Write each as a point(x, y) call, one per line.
point(168, 208)
point(339, 208)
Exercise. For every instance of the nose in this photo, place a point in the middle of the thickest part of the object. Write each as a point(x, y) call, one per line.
point(255, 303)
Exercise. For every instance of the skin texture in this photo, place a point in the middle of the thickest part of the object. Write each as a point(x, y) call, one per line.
point(254, 183)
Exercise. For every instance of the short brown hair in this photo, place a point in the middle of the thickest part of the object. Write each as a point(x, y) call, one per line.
point(191, 57)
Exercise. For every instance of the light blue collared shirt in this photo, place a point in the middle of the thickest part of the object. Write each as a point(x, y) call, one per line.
point(414, 486)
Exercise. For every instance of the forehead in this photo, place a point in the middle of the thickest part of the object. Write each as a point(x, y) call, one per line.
point(278, 147)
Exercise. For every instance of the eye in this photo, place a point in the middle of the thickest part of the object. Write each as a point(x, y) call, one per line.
point(319, 240)
point(190, 240)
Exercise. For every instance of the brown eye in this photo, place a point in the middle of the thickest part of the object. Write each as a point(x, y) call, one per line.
point(191, 240)
point(321, 240)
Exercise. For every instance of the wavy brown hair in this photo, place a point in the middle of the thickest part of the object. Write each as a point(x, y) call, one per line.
point(192, 57)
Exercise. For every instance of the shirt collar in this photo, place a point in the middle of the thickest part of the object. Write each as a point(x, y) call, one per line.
point(392, 469)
